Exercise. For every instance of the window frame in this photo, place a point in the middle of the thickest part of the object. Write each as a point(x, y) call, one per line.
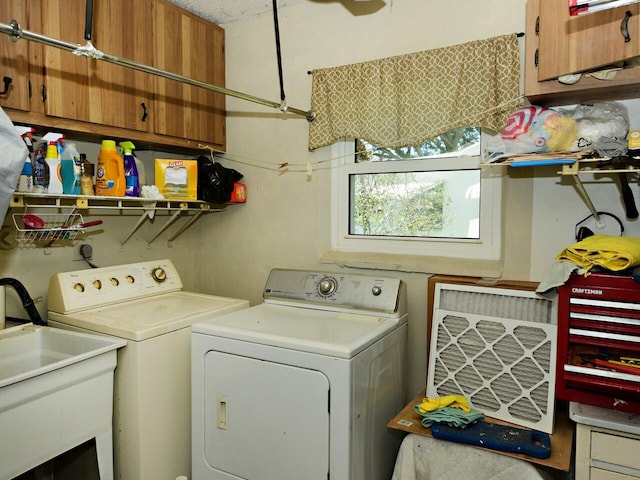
point(487, 247)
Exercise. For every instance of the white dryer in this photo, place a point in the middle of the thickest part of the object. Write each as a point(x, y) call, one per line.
point(303, 385)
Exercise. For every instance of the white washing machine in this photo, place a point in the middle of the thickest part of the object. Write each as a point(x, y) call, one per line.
point(145, 304)
point(303, 385)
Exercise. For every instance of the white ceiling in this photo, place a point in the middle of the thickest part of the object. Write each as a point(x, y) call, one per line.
point(226, 11)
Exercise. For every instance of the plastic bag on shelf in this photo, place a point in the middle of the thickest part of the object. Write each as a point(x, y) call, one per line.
point(215, 182)
point(534, 129)
point(597, 120)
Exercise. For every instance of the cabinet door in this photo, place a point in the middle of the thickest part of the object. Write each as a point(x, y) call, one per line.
point(91, 90)
point(584, 42)
point(14, 63)
point(189, 46)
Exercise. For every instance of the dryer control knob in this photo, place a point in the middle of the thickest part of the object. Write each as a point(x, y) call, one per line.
point(376, 290)
point(327, 286)
point(159, 275)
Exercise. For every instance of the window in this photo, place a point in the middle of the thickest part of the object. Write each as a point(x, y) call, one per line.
point(433, 199)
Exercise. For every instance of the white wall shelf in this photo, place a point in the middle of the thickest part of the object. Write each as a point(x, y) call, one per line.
point(573, 165)
point(145, 207)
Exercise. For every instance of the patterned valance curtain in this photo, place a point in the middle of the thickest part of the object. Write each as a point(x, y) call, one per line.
point(411, 99)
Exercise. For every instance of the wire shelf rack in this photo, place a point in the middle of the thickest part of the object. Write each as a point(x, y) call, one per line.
point(54, 227)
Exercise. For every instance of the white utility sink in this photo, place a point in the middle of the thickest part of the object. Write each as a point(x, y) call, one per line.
point(56, 392)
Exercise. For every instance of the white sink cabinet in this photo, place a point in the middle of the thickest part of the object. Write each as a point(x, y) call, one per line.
point(56, 392)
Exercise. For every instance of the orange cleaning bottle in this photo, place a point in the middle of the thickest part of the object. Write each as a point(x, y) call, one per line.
point(110, 180)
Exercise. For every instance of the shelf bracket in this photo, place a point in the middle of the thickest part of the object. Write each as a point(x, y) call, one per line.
point(585, 196)
point(574, 171)
point(171, 221)
point(190, 222)
point(149, 211)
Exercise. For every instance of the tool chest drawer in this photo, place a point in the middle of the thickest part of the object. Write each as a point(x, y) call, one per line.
point(615, 449)
point(598, 359)
point(603, 454)
point(597, 474)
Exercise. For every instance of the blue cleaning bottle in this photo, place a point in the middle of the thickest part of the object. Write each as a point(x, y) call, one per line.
point(70, 170)
point(131, 178)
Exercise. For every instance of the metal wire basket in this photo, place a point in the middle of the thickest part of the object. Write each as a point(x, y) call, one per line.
point(51, 227)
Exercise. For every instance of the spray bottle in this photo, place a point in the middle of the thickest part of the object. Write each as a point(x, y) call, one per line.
point(52, 160)
point(25, 183)
point(40, 175)
point(130, 170)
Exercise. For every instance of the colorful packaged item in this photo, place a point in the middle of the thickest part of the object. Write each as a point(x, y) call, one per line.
point(177, 179)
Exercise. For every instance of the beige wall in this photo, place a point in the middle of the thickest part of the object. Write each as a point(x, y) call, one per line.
point(286, 221)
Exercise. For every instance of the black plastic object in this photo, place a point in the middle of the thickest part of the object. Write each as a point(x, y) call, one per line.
point(7, 82)
point(627, 197)
point(27, 302)
point(88, 20)
point(215, 182)
point(583, 229)
point(497, 437)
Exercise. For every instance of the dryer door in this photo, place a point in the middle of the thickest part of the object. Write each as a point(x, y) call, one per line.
point(265, 420)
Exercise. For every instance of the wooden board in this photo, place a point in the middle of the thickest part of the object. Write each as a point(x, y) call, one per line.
point(561, 440)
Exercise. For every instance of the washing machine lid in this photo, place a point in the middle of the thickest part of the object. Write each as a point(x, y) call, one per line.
point(149, 317)
point(340, 334)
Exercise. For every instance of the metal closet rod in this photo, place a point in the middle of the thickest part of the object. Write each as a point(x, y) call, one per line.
point(15, 32)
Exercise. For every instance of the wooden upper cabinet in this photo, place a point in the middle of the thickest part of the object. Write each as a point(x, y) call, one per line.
point(91, 90)
point(191, 47)
point(626, 83)
point(14, 60)
point(584, 42)
point(56, 89)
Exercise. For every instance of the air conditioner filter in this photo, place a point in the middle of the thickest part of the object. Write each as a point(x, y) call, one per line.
point(496, 347)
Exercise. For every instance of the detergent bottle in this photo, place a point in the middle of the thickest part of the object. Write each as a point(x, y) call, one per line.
point(110, 179)
point(132, 180)
point(52, 160)
point(70, 170)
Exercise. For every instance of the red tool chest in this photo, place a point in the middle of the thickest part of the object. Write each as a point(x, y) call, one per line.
point(599, 341)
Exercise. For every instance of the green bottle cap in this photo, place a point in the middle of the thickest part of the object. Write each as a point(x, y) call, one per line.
point(108, 144)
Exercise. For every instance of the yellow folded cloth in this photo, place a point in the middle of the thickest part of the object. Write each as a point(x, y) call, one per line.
point(431, 404)
point(606, 251)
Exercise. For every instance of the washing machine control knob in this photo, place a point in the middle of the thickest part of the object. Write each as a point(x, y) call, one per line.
point(376, 290)
point(158, 274)
point(327, 286)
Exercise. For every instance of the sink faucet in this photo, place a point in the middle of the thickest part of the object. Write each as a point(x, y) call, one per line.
point(27, 301)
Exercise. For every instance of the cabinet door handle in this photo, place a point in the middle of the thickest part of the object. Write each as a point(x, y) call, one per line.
point(43, 93)
point(7, 81)
point(624, 27)
point(144, 112)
